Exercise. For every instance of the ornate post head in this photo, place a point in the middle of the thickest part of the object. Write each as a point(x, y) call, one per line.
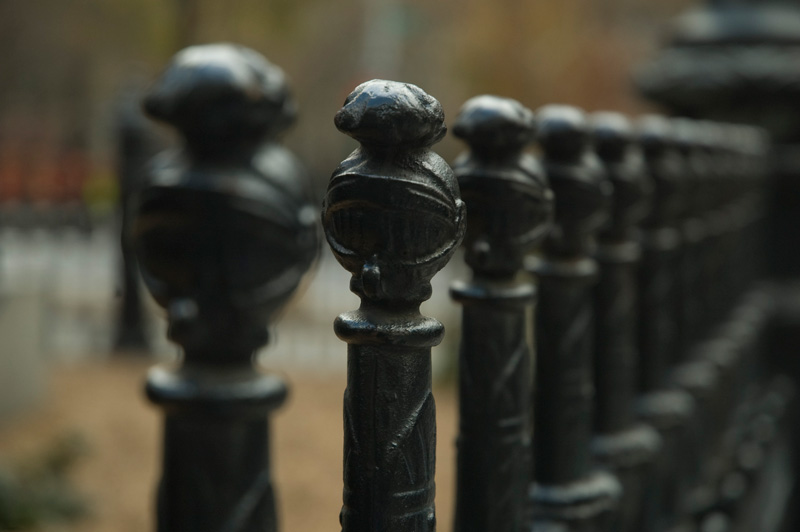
point(656, 136)
point(577, 178)
point(224, 100)
point(613, 142)
point(225, 229)
point(509, 203)
point(392, 214)
point(688, 135)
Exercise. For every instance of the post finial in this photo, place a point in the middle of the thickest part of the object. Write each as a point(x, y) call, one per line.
point(393, 218)
point(225, 228)
point(506, 191)
point(613, 142)
point(577, 179)
point(392, 214)
point(224, 232)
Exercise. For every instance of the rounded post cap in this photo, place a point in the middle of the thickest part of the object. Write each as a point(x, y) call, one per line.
point(382, 113)
point(494, 124)
point(562, 131)
point(612, 134)
point(222, 91)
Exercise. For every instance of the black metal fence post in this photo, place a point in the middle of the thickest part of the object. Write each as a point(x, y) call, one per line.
point(224, 232)
point(621, 442)
point(509, 209)
point(689, 372)
point(665, 407)
point(567, 488)
point(393, 217)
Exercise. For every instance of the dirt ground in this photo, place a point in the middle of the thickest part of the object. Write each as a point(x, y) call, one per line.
point(103, 401)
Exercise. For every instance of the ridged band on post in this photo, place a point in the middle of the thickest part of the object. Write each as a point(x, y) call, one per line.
point(665, 407)
point(509, 209)
point(622, 443)
point(224, 232)
point(567, 488)
point(393, 218)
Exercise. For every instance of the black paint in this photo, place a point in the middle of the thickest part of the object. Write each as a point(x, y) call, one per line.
point(393, 218)
point(509, 209)
point(224, 232)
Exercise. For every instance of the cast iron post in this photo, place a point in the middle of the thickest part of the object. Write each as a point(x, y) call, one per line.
point(692, 229)
point(664, 407)
point(509, 209)
point(567, 489)
point(621, 443)
point(694, 372)
point(393, 218)
point(737, 61)
point(224, 232)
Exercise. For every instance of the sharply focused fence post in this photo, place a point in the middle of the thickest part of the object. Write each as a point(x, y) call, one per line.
point(567, 487)
point(509, 209)
point(393, 218)
point(224, 232)
point(621, 442)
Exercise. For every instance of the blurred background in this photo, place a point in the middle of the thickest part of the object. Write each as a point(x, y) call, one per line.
point(75, 343)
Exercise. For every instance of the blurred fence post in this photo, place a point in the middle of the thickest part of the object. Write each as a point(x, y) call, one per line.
point(509, 210)
point(622, 443)
point(393, 218)
point(136, 145)
point(568, 488)
point(224, 232)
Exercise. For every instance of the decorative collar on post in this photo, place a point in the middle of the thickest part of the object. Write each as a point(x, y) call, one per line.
point(393, 218)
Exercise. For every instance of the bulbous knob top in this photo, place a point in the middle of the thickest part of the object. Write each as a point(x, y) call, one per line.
point(494, 125)
point(509, 202)
point(222, 93)
point(612, 135)
point(381, 113)
point(562, 131)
